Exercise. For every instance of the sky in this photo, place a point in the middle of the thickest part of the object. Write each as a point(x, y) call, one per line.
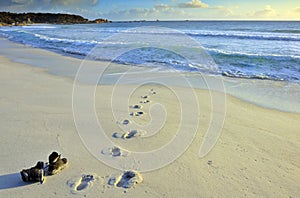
point(123, 10)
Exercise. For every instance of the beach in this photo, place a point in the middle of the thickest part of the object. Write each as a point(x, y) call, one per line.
point(256, 154)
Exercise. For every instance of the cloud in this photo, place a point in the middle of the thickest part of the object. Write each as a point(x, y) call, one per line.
point(226, 12)
point(193, 4)
point(159, 11)
point(20, 5)
point(40, 5)
point(267, 12)
point(297, 10)
point(170, 12)
point(18, 1)
point(73, 2)
point(13, 2)
point(80, 7)
point(162, 7)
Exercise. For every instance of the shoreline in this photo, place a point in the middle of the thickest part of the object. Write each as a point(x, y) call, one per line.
point(255, 155)
point(281, 95)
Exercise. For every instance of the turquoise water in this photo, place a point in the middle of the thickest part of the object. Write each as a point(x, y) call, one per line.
point(256, 50)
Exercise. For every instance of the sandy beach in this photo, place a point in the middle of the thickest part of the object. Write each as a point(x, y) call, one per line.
point(256, 155)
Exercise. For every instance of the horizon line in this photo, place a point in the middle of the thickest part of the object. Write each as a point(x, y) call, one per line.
point(199, 20)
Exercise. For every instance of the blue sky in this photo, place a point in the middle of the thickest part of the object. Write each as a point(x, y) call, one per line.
point(163, 9)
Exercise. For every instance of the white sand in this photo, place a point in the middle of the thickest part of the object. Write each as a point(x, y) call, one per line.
point(257, 153)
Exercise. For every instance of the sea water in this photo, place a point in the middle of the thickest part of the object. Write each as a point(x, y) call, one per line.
point(265, 51)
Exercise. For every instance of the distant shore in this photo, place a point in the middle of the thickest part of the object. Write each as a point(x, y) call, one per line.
point(21, 19)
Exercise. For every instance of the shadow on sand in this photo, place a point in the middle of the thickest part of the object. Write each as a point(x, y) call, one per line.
point(12, 180)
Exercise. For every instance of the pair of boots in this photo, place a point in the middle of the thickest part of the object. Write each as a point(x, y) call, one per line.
point(37, 173)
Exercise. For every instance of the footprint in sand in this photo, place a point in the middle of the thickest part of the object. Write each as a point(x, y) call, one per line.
point(139, 113)
point(126, 180)
point(144, 101)
point(123, 122)
point(136, 106)
point(85, 182)
point(145, 97)
point(152, 92)
point(130, 134)
point(133, 133)
point(82, 184)
point(117, 135)
point(115, 152)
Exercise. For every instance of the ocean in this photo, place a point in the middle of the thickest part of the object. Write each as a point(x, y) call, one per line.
point(238, 49)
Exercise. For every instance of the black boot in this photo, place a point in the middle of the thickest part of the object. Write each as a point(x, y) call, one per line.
point(34, 174)
point(56, 163)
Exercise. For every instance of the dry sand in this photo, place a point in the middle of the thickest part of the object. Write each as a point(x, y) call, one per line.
point(257, 154)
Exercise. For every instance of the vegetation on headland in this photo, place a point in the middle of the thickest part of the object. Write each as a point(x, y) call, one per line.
point(12, 19)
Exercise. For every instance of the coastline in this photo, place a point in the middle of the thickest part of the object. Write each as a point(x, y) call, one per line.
point(279, 95)
point(256, 154)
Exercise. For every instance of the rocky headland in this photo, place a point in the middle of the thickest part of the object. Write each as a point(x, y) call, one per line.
point(12, 19)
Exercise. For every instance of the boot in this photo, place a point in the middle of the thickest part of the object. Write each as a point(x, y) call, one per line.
point(56, 163)
point(34, 174)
